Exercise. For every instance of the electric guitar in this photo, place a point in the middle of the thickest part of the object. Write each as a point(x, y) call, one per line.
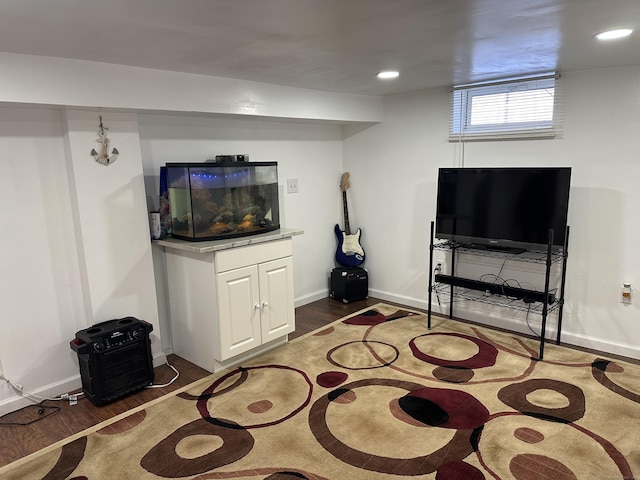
point(349, 252)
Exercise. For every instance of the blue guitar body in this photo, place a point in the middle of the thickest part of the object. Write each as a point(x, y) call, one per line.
point(349, 252)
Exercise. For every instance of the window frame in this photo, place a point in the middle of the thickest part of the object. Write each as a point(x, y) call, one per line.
point(461, 110)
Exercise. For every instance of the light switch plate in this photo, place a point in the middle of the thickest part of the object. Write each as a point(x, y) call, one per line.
point(292, 185)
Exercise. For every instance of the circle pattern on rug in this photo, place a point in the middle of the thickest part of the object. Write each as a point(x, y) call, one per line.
point(601, 371)
point(559, 449)
point(261, 386)
point(457, 471)
point(485, 357)
point(236, 443)
point(363, 355)
point(331, 379)
point(571, 409)
point(449, 409)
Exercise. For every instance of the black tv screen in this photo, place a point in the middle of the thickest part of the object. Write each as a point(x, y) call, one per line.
point(503, 208)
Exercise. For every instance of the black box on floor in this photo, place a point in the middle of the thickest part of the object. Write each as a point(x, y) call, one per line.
point(115, 358)
point(349, 284)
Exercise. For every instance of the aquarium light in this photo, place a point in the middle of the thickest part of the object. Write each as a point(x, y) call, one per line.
point(215, 175)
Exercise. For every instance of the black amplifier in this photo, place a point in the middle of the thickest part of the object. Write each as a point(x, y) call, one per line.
point(349, 284)
point(115, 358)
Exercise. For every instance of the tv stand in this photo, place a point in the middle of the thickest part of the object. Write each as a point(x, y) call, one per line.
point(497, 248)
point(505, 295)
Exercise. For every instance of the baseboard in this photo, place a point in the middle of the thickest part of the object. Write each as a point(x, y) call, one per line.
point(243, 357)
point(159, 358)
point(578, 340)
point(518, 326)
point(52, 390)
point(299, 302)
point(401, 299)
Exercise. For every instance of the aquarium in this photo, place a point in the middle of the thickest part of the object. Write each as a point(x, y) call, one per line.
point(211, 201)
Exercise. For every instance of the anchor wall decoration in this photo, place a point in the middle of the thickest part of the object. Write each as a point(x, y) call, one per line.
point(104, 157)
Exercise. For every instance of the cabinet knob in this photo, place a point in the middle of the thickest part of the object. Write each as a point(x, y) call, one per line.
point(265, 304)
point(257, 306)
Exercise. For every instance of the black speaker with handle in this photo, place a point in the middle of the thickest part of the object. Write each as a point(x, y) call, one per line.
point(115, 358)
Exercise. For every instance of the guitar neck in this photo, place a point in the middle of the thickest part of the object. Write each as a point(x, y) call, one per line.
point(347, 228)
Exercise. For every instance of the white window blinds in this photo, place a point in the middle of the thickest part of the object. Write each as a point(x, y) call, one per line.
point(522, 108)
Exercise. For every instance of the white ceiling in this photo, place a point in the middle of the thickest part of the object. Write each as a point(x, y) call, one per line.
point(335, 45)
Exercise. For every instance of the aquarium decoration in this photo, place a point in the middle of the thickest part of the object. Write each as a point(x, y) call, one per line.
point(104, 157)
point(210, 201)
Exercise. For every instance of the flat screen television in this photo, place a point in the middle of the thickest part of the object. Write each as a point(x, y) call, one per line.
point(509, 209)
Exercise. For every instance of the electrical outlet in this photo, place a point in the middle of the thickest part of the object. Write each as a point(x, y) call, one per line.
point(626, 294)
point(292, 185)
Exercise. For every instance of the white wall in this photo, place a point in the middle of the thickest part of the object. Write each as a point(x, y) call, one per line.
point(394, 166)
point(75, 249)
point(40, 288)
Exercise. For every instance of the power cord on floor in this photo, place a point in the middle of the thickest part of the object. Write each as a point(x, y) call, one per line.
point(170, 381)
point(43, 411)
point(32, 396)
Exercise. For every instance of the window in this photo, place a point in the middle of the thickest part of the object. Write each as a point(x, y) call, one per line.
point(523, 108)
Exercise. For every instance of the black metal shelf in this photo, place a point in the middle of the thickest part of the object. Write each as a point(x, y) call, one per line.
point(530, 256)
point(492, 299)
point(555, 302)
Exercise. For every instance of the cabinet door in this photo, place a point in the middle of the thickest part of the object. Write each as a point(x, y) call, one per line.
point(276, 298)
point(239, 311)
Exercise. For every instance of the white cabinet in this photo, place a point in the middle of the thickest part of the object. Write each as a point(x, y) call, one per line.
point(230, 304)
point(257, 305)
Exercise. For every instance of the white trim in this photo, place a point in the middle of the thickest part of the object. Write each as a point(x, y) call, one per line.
point(521, 135)
point(304, 300)
point(16, 402)
point(568, 338)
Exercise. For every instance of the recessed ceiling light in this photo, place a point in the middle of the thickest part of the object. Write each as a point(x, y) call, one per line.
point(611, 34)
point(388, 74)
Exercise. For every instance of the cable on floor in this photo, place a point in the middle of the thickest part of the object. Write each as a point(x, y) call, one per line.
point(43, 411)
point(170, 381)
point(34, 397)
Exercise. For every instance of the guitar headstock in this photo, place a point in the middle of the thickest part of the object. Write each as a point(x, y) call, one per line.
point(344, 181)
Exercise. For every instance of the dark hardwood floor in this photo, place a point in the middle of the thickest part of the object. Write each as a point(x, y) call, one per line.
point(315, 315)
point(60, 420)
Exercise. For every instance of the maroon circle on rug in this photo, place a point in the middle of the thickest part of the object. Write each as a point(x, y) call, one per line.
point(486, 356)
point(459, 447)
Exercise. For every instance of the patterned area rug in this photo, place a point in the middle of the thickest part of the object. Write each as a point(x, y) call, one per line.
point(372, 396)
